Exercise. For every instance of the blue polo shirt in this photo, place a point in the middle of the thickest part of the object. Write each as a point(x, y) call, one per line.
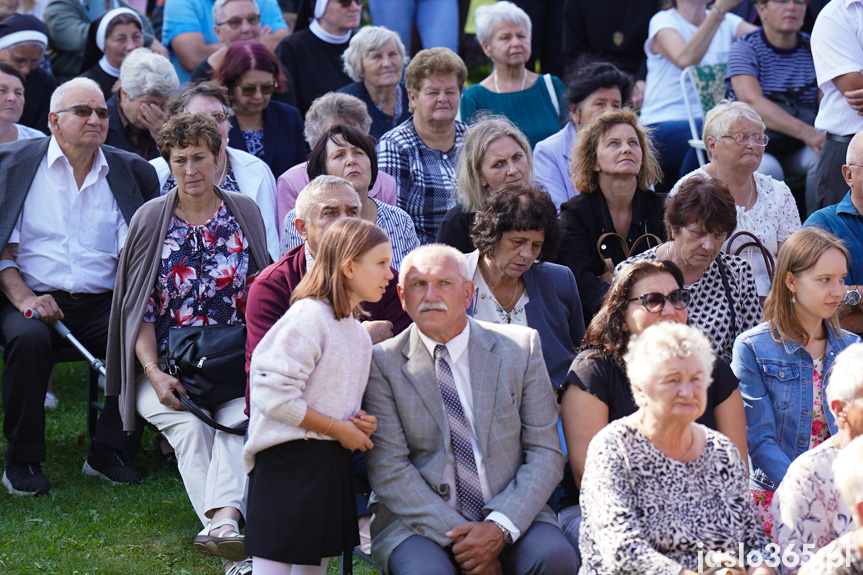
point(845, 221)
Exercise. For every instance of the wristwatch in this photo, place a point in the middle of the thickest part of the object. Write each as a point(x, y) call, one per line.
point(852, 296)
point(507, 536)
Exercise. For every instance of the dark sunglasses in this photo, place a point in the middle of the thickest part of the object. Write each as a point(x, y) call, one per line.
point(235, 23)
point(655, 301)
point(346, 3)
point(83, 111)
point(249, 91)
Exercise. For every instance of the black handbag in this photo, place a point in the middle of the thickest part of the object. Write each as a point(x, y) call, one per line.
point(210, 362)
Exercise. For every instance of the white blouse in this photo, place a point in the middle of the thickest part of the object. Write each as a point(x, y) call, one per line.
point(487, 308)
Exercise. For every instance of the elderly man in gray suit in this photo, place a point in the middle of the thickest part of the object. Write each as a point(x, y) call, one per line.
point(466, 450)
point(66, 203)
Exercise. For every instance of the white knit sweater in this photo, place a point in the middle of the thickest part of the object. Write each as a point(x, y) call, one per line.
point(307, 359)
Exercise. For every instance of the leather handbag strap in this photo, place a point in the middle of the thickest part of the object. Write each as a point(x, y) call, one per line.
point(202, 415)
point(627, 250)
point(752, 241)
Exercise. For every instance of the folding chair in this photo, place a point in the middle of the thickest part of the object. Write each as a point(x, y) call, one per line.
point(709, 84)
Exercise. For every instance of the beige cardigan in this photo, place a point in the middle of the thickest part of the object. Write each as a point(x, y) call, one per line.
point(136, 276)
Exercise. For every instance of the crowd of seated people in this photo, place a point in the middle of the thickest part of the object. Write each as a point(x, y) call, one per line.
point(489, 326)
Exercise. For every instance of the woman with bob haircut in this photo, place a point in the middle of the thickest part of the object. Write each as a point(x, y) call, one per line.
point(614, 166)
point(269, 130)
point(307, 378)
point(350, 154)
point(784, 363)
point(374, 60)
point(495, 154)
point(723, 297)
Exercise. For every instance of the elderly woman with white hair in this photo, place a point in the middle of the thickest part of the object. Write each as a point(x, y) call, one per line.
point(324, 113)
point(660, 491)
point(137, 110)
point(375, 60)
point(535, 104)
point(808, 511)
point(110, 39)
point(844, 556)
point(734, 134)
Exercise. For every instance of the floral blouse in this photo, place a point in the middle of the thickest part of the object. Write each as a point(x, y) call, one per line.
point(820, 431)
point(204, 276)
point(255, 142)
point(487, 308)
point(807, 508)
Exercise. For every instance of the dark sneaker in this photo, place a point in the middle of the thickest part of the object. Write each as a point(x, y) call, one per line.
point(25, 479)
point(110, 465)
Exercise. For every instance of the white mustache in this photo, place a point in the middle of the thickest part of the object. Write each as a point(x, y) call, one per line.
point(433, 306)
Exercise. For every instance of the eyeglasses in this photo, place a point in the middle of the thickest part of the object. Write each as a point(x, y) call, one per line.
point(219, 117)
point(83, 111)
point(655, 301)
point(346, 3)
point(235, 23)
point(266, 89)
point(796, 2)
point(757, 139)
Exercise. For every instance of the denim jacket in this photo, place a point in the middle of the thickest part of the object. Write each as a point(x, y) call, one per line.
point(776, 383)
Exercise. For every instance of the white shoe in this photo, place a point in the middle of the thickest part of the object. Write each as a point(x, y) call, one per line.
point(243, 567)
point(51, 401)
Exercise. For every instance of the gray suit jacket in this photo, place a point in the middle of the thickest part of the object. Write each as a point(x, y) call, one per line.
point(132, 180)
point(516, 425)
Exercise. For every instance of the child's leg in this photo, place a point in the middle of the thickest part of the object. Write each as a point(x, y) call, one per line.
point(310, 569)
point(262, 566)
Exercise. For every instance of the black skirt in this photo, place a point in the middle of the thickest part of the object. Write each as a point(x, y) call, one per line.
point(301, 505)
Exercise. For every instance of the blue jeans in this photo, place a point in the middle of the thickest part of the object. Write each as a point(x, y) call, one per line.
point(672, 146)
point(437, 20)
point(570, 523)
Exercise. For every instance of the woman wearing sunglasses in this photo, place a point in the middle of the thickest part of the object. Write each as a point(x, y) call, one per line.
point(734, 134)
point(784, 363)
point(724, 302)
point(597, 389)
point(271, 131)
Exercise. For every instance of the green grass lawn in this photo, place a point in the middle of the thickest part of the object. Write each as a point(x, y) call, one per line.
point(86, 526)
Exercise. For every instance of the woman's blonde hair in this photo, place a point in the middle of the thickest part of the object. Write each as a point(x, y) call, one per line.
point(347, 240)
point(799, 253)
point(468, 191)
point(582, 166)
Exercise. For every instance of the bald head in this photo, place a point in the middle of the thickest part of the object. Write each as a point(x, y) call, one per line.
point(852, 170)
point(854, 155)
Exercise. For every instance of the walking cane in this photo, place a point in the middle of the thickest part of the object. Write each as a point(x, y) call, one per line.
point(64, 332)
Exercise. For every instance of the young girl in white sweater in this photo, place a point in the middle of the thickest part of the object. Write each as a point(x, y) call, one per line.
point(307, 377)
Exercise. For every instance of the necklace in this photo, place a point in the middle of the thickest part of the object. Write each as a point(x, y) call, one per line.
point(512, 301)
point(523, 80)
point(189, 220)
point(685, 456)
point(224, 170)
point(256, 124)
point(751, 187)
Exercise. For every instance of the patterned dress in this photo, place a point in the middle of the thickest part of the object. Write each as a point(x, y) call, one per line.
point(204, 276)
point(644, 512)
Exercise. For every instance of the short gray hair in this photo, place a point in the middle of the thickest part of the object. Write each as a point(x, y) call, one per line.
point(145, 73)
point(334, 108)
point(648, 352)
point(848, 475)
point(489, 17)
point(435, 250)
point(717, 122)
point(220, 5)
point(59, 94)
point(310, 196)
point(368, 39)
point(846, 379)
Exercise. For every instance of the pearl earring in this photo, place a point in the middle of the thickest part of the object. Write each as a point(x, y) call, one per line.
point(793, 299)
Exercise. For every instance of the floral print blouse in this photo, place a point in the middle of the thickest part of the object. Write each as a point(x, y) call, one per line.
point(820, 431)
point(204, 276)
point(807, 508)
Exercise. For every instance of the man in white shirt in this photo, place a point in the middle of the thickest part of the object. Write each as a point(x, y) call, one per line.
point(837, 50)
point(67, 201)
point(466, 450)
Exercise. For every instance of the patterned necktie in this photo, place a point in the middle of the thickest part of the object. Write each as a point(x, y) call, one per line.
point(468, 492)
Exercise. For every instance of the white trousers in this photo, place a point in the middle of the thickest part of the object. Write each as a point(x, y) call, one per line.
point(210, 461)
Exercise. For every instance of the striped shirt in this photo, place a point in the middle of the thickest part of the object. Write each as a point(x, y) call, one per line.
point(392, 220)
point(777, 70)
point(425, 178)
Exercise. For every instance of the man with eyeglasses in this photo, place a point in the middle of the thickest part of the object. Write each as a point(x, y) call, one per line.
point(837, 49)
point(23, 39)
point(194, 29)
point(771, 69)
point(312, 55)
point(67, 201)
point(844, 219)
